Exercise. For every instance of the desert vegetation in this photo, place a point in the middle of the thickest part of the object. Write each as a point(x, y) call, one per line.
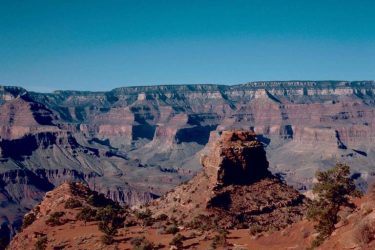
point(333, 190)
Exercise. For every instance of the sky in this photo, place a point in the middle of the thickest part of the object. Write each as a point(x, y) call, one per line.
point(100, 45)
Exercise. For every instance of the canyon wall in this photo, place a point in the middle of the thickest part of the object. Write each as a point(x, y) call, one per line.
point(136, 143)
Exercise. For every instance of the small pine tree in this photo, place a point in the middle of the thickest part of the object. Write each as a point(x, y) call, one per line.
point(333, 190)
point(110, 221)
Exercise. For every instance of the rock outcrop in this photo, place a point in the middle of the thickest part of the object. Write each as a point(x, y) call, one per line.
point(237, 158)
point(235, 187)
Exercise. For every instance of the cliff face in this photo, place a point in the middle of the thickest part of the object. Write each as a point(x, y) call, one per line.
point(136, 143)
point(237, 158)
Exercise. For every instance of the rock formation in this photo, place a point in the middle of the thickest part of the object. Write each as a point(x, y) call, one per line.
point(235, 187)
point(237, 158)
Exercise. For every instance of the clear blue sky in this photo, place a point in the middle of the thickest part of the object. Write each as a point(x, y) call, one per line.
point(100, 45)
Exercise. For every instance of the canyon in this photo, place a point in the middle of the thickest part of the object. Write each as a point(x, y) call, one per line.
point(234, 202)
point(134, 144)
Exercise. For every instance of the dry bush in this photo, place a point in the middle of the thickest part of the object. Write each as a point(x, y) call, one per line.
point(72, 203)
point(55, 219)
point(364, 232)
point(28, 220)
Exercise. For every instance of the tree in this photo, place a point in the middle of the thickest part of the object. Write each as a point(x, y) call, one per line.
point(333, 190)
point(110, 221)
point(86, 214)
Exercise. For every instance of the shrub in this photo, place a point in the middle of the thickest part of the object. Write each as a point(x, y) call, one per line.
point(255, 229)
point(41, 243)
point(201, 222)
point(86, 214)
point(172, 229)
point(140, 243)
point(333, 190)
point(72, 203)
point(106, 239)
point(162, 217)
point(99, 200)
point(143, 214)
point(364, 232)
point(220, 240)
point(55, 219)
point(145, 217)
point(28, 220)
point(177, 241)
point(109, 223)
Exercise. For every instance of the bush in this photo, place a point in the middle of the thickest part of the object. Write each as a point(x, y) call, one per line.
point(140, 243)
point(220, 240)
point(172, 229)
point(145, 217)
point(333, 191)
point(86, 214)
point(41, 243)
point(177, 241)
point(109, 223)
point(28, 220)
point(162, 217)
point(255, 229)
point(143, 214)
point(72, 203)
point(55, 219)
point(106, 239)
point(201, 222)
point(364, 232)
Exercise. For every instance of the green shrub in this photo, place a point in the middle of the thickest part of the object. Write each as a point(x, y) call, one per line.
point(107, 239)
point(55, 219)
point(201, 222)
point(140, 243)
point(110, 221)
point(172, 229)
point(220, 240)
point(333, 191)
point(41, 243)
point(145, 217)
point(86, 214)
point(255, 229)
point(28, 220)
point(72, 203)
point(177, 241)
point(162, 217)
